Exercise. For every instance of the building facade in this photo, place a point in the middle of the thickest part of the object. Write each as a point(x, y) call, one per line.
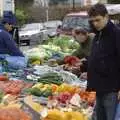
point(87, 2)
point(43, 3)
point(6, 5)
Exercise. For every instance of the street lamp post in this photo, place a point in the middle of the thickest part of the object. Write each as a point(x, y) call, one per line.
point(47, 10)
point(73, 5)
point(47, 14)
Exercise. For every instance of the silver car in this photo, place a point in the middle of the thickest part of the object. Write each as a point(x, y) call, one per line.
point(51, 27)
point(32, 33)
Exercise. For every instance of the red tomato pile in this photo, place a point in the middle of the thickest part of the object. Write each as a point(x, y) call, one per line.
point(13, 87)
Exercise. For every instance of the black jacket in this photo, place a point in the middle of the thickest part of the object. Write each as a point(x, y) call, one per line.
point(104, 60)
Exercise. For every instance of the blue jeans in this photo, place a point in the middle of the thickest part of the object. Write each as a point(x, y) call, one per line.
point(106, 106)
point(14, 62)
point(117, 117)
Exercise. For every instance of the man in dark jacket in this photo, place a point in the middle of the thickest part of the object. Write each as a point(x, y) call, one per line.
point(7, 44)
point(14, 32)
point(104, 63)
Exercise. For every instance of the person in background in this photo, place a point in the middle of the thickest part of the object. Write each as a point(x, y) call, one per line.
point(59, 30)
point(7, 44)
point(84, 38)
point(104, 63)
point(15, 31)
point(15, 35)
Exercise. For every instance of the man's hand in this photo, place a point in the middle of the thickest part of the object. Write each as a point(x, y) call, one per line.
point(83, 59)
point(119, 95)
point(84, 76)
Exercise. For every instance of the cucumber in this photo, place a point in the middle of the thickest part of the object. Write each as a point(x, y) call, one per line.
point(48, 81)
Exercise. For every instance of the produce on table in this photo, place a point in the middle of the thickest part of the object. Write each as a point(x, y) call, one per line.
point(71, 60)
point(41, 90)
point(73, 69)
point(75, 100)
point(51, 78)
point(56, 114)
point(90, 97)
point(1, 95)
point(8, 99)
point(51, 47)
point(3, 78)
point(13, 113)
point(10, 105)
point(72, 64)
point(60, 45)
point(51, 52)
point(64, 42)
point(52, 62)
point(35, 60)
point(66, 88)
point(64, 92)
point(75, 116)
point(54, 87)
point(38, 92)
point(35, 106)
point(13, 87)
point(64, 97)
point(43, 52)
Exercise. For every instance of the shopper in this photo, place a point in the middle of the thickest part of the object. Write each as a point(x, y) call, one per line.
point(84, 38)
point(81, 35)
point(104, 63)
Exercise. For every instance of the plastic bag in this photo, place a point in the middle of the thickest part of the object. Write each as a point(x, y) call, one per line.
point(13, 62)
point(16, 62)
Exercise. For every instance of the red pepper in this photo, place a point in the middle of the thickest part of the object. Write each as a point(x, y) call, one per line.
point(71, 60)
point(64, 97)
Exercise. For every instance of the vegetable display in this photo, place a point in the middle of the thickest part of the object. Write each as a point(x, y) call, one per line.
point(49, 78)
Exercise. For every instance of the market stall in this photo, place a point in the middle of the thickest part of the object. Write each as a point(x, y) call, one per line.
point(47, 89)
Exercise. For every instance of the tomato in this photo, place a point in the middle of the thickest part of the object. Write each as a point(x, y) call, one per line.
point(3, 78)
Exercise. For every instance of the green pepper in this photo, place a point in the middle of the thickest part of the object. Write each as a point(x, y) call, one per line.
point(36, 92)
point(47, 93)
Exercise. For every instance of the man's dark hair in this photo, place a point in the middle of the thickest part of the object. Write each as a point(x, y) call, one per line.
point(98, 9)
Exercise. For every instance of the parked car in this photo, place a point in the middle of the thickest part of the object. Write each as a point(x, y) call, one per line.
point(80, 19)
point(52, 26)
point(32, 33)
point(73, 20)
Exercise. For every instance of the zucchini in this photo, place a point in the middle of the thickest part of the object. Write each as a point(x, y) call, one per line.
point(49, 81)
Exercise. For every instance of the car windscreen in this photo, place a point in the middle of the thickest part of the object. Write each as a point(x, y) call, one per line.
point(71, 22)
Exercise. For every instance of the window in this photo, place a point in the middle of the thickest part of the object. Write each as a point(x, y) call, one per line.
point(71, 22)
